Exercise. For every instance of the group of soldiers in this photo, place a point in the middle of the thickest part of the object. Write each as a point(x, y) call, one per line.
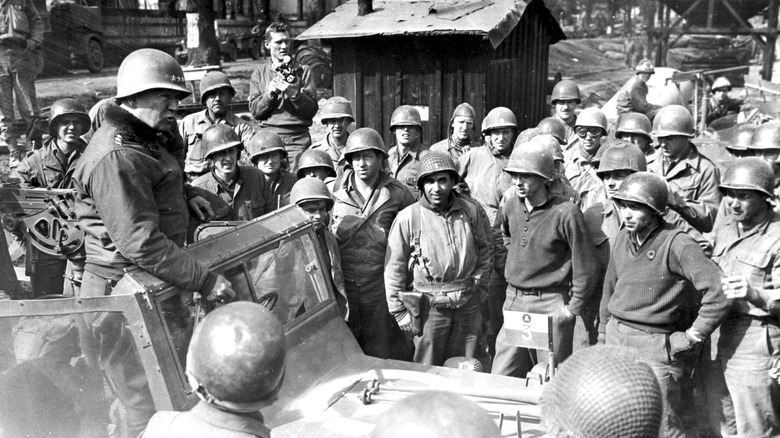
point(620, 240)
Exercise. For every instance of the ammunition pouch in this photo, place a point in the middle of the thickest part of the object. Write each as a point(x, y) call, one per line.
point(412, 301)
point(451, 295)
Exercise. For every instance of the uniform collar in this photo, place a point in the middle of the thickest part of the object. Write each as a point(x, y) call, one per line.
point(246, 423)
point(203, 117)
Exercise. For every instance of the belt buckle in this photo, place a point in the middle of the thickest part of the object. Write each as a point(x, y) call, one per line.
point(531, 292)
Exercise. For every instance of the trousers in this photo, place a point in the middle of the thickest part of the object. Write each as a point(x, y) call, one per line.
point(448, 332)
point(16, 79)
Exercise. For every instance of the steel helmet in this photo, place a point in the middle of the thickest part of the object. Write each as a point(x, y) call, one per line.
point(553, 126)
point(634, 123)
point(549, 141)
point(213, 81)
point(310, 189)
point(526, 135)
point(236, 357)
point(405, 115)
point(673, 120)
point(433, 162)
point(149, 69)
point(565, 90)
point(742, 138)
point(749, 173)
point(644, 188)
point(464, 110)
point(434, 414)
point(497, 118)
point(721, 83)
point(364, 139)
point(592, 117)
point(64, 107)
point(603, 392)
point(220, 137)
point(265, 142)
point(311, 158)
point(767, 136)
point(645, 66)
point(336, 108)
point(532, 158)
point(621, 155)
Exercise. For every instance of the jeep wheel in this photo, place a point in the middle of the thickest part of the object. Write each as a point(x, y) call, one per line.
point(93, 56)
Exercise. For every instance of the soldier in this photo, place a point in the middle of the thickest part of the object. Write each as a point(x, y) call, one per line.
point(747, 247)
point(462, 132)
point(555, 127)
point(564, 99)
point(132, 207)
point(266, 150)
point(766, 145)
point(286, 108)
point(52, 167)
point(602, 392)
point(216, 92)
point(632, 96)
point(579, 164)
point(21, 59)
point(316, 163)
point(314, 198)
point(720, 104)
point(337, 117)
point(243, 188)
point(404, 158)
point(741, 142)
point(653, 256)
point(445, 241)
point(233, 376)
point(366, 203)
point(636, 128)
point(551, 265)
point(691, 178)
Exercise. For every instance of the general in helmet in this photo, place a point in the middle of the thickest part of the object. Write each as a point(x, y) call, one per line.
point(133, 208)
point(550, 257)
point(242, 188)
point(366, 201)
point(720, 104)
point(235, 365)
point(744, 237)
point(654, 256)
point(564, 100)
point(404, 158)
point(267, 151)
point(449, 256)
point(462, 132)
point(337, 117)
point(580, 161)
point(692, 178)
point(313, 197)
point(632, 96)
point(636, 128)
point(282, 94)
point(51, 167)
point(216, 93)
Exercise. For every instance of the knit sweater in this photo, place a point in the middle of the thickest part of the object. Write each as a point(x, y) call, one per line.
point(648, 286)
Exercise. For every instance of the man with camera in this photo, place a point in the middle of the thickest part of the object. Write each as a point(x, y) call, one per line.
point(282, 95)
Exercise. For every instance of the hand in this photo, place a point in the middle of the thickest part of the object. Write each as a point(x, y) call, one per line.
point(276, 86)
point(675, 201)
point(737, 287)
point(201, 208)
point(222, 292)
point(680, 343)
point(31, 45)
point(405, 323)
point(293, 89)
point(567, 313)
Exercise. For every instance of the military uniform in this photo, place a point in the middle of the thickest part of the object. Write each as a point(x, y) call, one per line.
point(335, 152)
point(361, 227)
point(453, 148)
point(192, 128)
point(406, 168)
point(206, 421)
point(581, 173)
point(454, 254)
point(480, 168)
point(247, 196)
point(280, 187)
point(632, 98)
point(717, 109)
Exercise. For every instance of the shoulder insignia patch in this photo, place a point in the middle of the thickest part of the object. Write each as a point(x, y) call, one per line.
point(118, 140)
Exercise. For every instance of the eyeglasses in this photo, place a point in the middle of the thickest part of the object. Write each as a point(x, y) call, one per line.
point(583, 131)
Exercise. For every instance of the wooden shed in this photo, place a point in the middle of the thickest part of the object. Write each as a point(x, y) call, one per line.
point(435, 55)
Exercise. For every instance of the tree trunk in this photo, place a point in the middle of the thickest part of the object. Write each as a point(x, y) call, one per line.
point(207, 52)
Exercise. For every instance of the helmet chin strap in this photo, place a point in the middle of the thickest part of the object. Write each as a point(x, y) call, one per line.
point(227, 406)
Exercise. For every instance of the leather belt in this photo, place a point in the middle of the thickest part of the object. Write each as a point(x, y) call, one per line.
point(537, 292)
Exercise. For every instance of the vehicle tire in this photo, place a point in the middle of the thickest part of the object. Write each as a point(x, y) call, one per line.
point(256, 49)
point(231, 54)
point(93, 55)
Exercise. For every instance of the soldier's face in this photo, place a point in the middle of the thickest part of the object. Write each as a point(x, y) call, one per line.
point(641, 141)
point(317, 210)
point(674, 147)
point(745, 206)
point(225, 163)
point(70, 128)
point(590, 138)
point(279, 45)
point(367, 164)
point(613, 179)
point(721, 94)
point(564, 109)
point(338, 127)
point(270, 163)
point(644, 77)
point(437, 188)
point(501, 139)
point(407, 136)
point(463, 127)
point(636, 217)
point(527, 184)
point(316, 172)
point(218, 102)
point(156, 108)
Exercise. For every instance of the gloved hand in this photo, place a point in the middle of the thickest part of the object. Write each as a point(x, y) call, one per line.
point(222, 292)
point(681, 343)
